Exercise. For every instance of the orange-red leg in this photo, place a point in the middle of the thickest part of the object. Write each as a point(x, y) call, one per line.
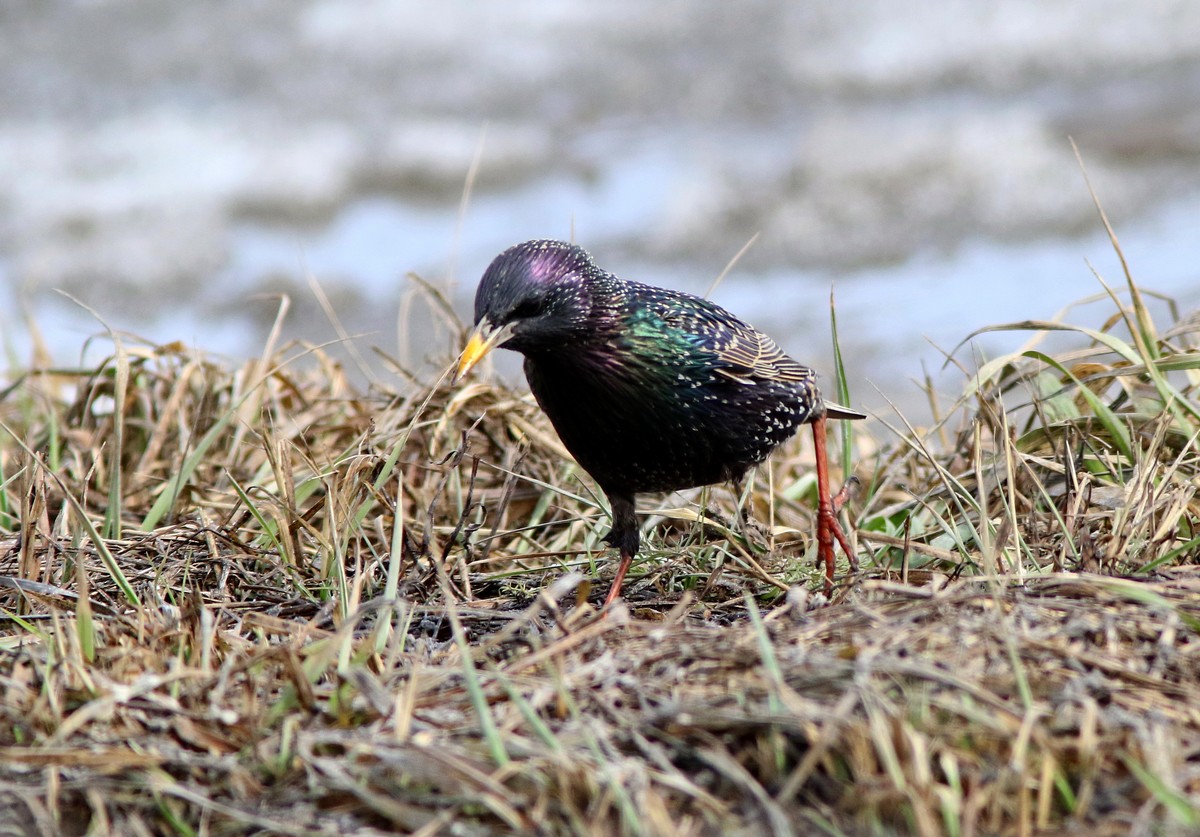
point(624, 536)
point(828, 528)
point(619, 579)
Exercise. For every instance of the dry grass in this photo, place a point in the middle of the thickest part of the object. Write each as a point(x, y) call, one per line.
point(259, 601)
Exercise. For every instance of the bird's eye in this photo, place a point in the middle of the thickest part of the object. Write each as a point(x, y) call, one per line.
point(524, 309)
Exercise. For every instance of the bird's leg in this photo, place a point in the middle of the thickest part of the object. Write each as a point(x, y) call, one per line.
point(828, 528)
point(615, 592)
point(743, 512)
point(625, 537)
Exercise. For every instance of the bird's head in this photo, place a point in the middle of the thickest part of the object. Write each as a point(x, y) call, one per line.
point(532, 297)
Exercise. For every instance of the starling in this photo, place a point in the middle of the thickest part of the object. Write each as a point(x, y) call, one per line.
point(649, 389)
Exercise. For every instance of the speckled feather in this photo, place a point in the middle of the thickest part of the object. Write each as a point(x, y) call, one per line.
point(650, 389)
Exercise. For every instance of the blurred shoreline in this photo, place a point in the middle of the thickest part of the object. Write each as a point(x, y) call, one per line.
point(175, 167)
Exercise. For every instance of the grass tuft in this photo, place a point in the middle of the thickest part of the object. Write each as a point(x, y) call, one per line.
point(256, 599)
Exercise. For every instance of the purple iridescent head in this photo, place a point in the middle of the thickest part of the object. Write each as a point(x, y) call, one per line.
point(533, 280)
point(532, 297)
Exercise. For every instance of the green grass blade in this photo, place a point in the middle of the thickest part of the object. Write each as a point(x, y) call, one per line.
point(1113, 423)
point(112, 511)
point(842, 386)
point(470, 675)
point(1183, 809)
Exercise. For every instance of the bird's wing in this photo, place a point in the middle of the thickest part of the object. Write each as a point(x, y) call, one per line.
point(742, 352)
point(749, 352)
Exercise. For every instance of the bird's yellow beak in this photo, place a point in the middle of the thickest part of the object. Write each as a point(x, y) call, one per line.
point(483, 339)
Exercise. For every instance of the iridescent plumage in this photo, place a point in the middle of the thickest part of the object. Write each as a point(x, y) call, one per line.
point(649, 389)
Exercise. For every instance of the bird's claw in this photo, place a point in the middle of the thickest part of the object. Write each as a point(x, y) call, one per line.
point(848, 490)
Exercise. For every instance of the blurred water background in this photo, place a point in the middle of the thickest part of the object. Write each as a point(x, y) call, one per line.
point(174, 165)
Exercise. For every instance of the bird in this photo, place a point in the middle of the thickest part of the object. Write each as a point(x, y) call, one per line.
point(649, 389)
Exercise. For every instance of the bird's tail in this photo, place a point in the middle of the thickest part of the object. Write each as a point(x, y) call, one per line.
point(837, 412)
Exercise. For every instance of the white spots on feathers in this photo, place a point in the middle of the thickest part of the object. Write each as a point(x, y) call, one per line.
point(654, 389)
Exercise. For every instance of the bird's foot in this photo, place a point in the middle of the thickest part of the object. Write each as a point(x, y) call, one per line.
point(848, 490)
point(828, 528)
point(828, 531)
